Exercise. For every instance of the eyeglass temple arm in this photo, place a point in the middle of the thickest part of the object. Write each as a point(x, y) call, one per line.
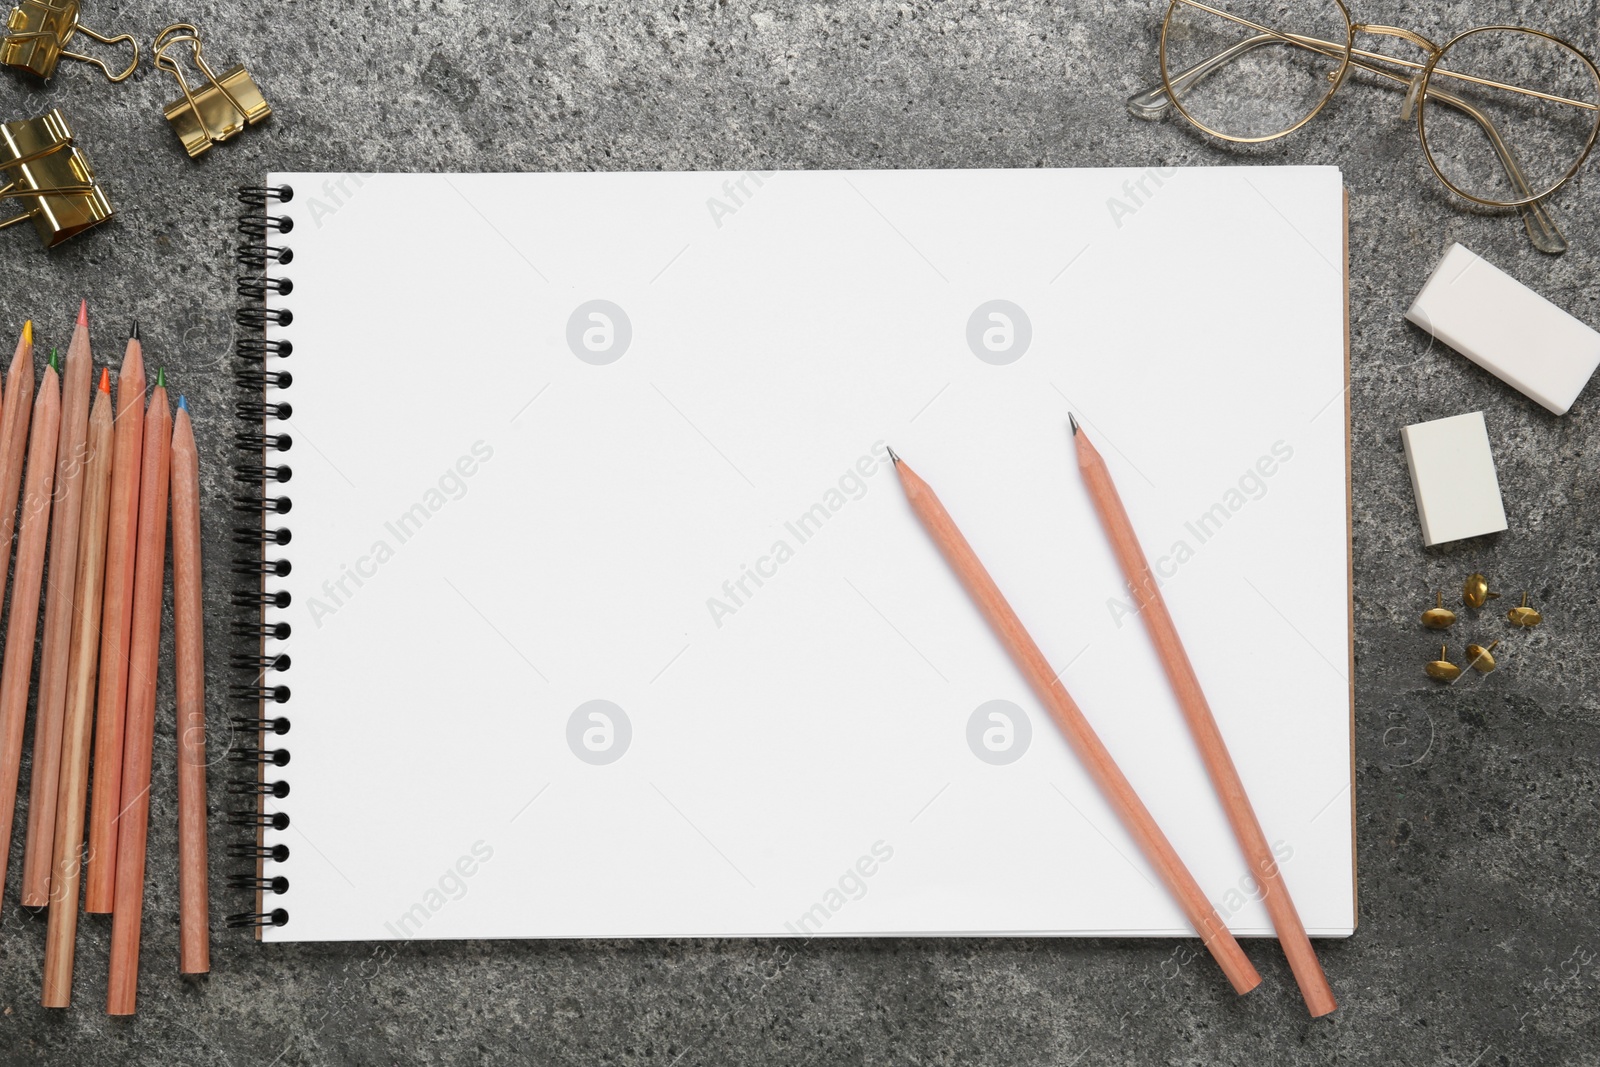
point(1542, 229)
point(1154, 102)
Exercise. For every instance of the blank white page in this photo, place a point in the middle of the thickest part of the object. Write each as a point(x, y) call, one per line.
point(511, 502)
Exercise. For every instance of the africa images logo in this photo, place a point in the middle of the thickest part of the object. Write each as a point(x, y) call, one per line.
point(998, 732)
point(599, 332)
point(599, 732)
point(999, 332)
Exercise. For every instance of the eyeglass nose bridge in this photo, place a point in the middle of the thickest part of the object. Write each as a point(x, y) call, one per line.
point(1397, 31)
point(1408, 108)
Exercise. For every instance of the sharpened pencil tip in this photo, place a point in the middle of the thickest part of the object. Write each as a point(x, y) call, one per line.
point(894, 458)
point(183, 402)
point(161, 377)
point(133, 331)
point(83, 313)
point(27, 332)
point(1074, 421)
point(105, 379)
point(55, 361)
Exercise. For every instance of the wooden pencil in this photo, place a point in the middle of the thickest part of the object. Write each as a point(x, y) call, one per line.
point(16, 411)
point(194, 938)
point(1203, 726)
point(150, 565)
point(122, 535)
point(1091, 752)
point(22, 624)
point(67, 855)
point(60, 580)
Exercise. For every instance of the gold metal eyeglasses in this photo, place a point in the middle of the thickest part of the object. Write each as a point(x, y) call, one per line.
point(1506, 115)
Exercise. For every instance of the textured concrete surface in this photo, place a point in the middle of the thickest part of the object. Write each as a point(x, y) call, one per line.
point(1478, 806)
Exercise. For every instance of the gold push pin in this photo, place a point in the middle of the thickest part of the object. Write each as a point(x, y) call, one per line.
point(218, 110)
point(37, 34)
point(1524, 616)
point(1438, 617)
point(40, 166)
point(1441, 669)
point(1481, 659)
point(1475, 594)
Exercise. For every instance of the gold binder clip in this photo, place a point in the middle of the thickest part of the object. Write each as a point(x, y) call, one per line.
point(215, 112)
point(37, 34)
point(39, 163)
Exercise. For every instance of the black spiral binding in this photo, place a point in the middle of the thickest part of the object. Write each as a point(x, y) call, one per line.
point(262, 475)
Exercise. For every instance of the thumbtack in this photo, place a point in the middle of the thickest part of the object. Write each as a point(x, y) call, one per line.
point(1441, 669)
point(1524, 616)
point(1475, 594)
point(1481, 659)
point(1438, 617)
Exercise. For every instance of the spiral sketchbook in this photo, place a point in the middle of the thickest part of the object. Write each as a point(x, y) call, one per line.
point(590, 606)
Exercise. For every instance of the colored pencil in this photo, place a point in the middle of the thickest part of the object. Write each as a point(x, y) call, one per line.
point(122, 535)
point(194, 939)
point(22, 625)
point(139, 727)
point(15, 414)
point(1091, 752)
point(1203, 725)
point(67, 855)
point(77, 385)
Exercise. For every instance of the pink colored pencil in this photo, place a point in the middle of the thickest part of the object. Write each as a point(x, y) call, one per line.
point(122, 538)
point(66, 513)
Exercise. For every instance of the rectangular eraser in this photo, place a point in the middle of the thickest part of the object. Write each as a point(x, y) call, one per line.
point(1453, 477)
point(1507, 329)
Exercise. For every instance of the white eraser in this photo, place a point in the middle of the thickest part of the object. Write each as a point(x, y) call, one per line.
point(1452, 474)
point(1507, 329)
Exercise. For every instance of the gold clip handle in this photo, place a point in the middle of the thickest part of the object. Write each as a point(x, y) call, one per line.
point(57, 38)
point(184, 33)
point(133, 64)
point(176, 34)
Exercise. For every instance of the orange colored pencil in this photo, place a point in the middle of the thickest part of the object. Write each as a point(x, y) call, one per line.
point(150, 571)
point(15, 414)
point(61, 579)
point(67, 855)
point(194, 938)
point(1091, 752)
point(1203, 725)
point(122, 536)
point(23, 622)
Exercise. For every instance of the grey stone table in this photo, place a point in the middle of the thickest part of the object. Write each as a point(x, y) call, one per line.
point(1478, 806)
